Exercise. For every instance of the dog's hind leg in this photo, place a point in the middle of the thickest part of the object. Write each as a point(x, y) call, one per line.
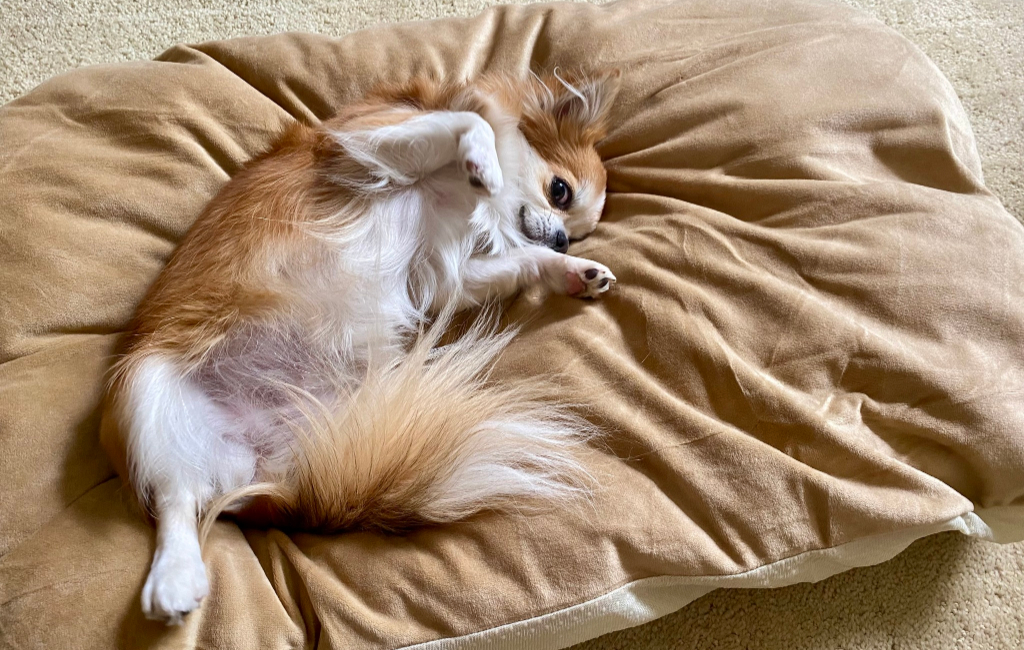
point(179, 459)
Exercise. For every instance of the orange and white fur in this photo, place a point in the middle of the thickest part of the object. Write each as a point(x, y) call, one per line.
point(274, 368)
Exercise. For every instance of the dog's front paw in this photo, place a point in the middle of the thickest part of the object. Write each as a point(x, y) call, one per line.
point(587, 279)
point(176, 585)
point(479, 159)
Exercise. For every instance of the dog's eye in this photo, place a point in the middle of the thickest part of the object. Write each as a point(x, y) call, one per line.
point(561, 193)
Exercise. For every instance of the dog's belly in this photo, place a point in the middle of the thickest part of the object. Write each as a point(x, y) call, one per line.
point(269, 378)
point(257, 378)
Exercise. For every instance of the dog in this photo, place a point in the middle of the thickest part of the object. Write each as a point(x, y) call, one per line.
point(283, 366)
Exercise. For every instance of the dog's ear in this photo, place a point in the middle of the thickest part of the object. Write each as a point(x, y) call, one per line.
point(585, 99)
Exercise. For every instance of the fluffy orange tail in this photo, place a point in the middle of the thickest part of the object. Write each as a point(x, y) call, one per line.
point(426, 439)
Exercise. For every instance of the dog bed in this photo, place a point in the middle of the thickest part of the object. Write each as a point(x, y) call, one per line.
point(813, 357)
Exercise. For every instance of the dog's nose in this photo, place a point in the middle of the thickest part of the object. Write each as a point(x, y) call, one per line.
point(561, 242)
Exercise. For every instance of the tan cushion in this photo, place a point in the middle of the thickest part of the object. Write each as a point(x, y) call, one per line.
point(815, 353)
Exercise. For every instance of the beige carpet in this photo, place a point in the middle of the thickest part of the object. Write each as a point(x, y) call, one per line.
point(945, 591)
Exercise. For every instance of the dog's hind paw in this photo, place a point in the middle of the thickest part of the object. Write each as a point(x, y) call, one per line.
point(176, 584)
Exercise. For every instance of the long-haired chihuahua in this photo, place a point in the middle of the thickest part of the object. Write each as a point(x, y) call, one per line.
point(279, 369)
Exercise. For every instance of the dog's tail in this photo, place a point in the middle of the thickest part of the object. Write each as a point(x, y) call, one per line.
point(426, 439)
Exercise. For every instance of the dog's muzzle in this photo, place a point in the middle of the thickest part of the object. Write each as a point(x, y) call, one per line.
point(541, 232)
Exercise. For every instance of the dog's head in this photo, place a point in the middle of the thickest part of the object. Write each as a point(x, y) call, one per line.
point(562, 180)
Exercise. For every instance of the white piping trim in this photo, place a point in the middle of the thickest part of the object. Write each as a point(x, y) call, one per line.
point(644, 600)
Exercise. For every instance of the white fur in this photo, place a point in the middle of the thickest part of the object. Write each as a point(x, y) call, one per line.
point(181, 450)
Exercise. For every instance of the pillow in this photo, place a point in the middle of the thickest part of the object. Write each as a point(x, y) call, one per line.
point(814, 355)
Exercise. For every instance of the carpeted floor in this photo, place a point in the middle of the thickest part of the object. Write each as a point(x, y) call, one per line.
point(943, 592)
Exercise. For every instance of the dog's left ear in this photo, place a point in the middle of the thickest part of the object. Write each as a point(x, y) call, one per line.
point(586, 100)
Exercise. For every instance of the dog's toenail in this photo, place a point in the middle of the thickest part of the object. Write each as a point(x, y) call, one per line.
point(591, 274)
point(602, 284)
